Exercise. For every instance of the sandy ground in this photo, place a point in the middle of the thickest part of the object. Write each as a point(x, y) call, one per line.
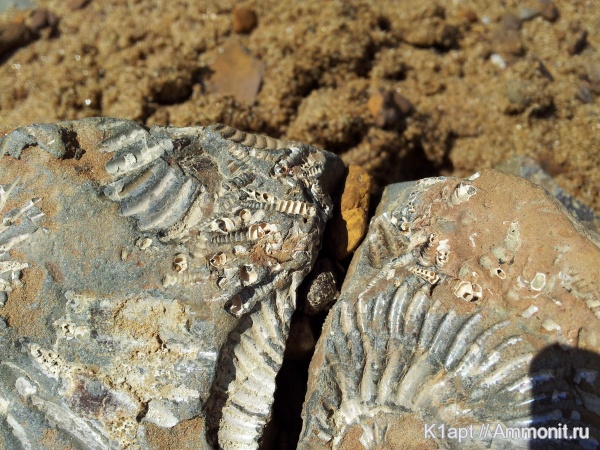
point(404, 88)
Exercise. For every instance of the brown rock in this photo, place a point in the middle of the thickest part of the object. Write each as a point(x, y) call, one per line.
point(388, 108)
point(236, 72)
point(13, 36)
point(42, 18)
point(548, 10)
point(320, 288)
point(244, 19)
point(579, 43)
point(78, 4)
point(349, 223)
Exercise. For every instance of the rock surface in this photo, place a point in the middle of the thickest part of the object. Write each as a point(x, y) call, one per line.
point(459, 309)
point(148, 278)
point(351, 219)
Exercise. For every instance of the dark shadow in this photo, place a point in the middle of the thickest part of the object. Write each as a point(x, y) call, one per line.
point(566, 397)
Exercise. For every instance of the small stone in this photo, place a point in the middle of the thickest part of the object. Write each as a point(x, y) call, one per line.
point(244, 19)
point(584, 93)
point(78, 4)
point(320, 288)
point(42, 18)
point(388, 108)
point(510, 22)
point(507, 42)
point(13, 36)
point(528, 12)
point(468, 15)
point(498, 60)
point(578, 44)
point(236, 72)
point(349, 223)
point(548, 10)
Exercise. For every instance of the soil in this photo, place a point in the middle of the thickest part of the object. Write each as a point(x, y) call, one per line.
point(404, 89)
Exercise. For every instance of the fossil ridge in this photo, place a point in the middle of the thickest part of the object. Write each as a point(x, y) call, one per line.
point(459, 309)
point(148, 277)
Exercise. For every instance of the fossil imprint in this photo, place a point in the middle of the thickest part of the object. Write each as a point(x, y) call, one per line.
point(460, 310)
point(176, 307)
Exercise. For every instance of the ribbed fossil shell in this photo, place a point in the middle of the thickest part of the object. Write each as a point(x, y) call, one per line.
point(164, 277)
point(459, 309)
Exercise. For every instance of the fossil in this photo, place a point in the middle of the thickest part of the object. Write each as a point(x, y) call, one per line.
point(460, 310)
point(163, 281)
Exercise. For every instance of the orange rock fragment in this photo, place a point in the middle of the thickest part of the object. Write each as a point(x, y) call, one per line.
point(236, 72)
point(349, 223)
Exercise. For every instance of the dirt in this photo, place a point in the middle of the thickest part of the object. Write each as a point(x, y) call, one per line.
point(485, 85)
point(404, 90)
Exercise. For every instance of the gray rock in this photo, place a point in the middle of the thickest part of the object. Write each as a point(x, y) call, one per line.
point(471, 303)
point(528, 168)
point(150, 277)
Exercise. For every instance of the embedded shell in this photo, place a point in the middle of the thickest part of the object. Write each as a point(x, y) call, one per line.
point(162, 266)
point(459, 310)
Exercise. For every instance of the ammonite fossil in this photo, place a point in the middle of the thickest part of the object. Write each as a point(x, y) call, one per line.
point(472, 304)
point(148, 277)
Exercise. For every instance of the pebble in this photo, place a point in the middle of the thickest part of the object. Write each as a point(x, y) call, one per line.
point(510, 22)
point(584, 94)
point(236, 72)
point(42, 18)
point(578, 44)
point(78, 4)
point(244, 19)
point(388, 108)
point(349, 223)
point(498, 60)
point(320, 287)
point(13, 36)
point(548, 10)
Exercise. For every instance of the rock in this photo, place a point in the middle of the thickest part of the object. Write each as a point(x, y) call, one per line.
point(548, 10)
point(13, 36)
point(389, 108)
point(244, 19)
point(151, 277)
point(528, 168)
point(16, 4)
point(349, 224)
point(507, 42)
point(320, 288)
point(509, 21)
point(585, 94)
point(432, 30)
point(236, 72)
point(78, 4)
point(528, 12)
point(471, 301)
point(578, 44)
point(531, 94)
point(42, 18)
